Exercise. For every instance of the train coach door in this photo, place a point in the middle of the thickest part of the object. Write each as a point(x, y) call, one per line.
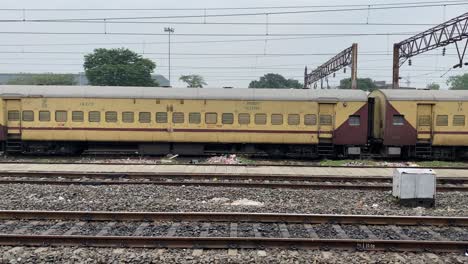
point(424, 124)
point(326, 120)
point(13, 116)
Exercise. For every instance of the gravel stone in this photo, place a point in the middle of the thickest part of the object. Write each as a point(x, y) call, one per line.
point(187, 229)
point(416, 233)
point(245, 230)
point(269, 230)
point(192, 198)
point(123, 229)
point(91, 228)
point(157, 229)
point(219, 230)
point(298, 230)
point(325, 230)
point(450, 232)
point(270, 256)
point(354, 232)
point(382, 232)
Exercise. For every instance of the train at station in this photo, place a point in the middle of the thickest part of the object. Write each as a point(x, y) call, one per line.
point(305, 123)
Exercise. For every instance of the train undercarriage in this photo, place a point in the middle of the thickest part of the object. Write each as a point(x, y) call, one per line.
point(323, 150)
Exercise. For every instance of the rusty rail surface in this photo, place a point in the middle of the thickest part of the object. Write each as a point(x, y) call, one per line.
point(239, 165)
point(234, 241)
point(233, 217)
point(245, 180)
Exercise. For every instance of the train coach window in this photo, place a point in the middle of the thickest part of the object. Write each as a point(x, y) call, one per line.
point(13, 115)
point(310, 120)
point(77, 116)
point(442, 120)
point(128, 117)
point(211, 118)
point(293, 119)
point(227, 118)
point(260, 119)
point(44, 116)
point(194, 118)
point(60, 116)
point(144, 117)
point(111, 116)
point(326, 120)
point(177, 117)
point(28, 115)
point(94, 116)
point(161, 117)
point(424, 120)
point(398, 120)
point(276, 119)
point(354, 120)
point(244, 119)
point(458, 120)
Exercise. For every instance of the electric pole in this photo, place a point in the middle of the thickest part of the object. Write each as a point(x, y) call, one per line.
point(169, 30)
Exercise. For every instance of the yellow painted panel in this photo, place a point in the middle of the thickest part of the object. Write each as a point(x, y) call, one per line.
point(176, 132)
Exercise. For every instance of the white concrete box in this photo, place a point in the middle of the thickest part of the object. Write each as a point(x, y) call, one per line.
point(416, 187)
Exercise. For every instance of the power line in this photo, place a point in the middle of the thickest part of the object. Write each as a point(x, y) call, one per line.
point(210, 34)
point(367, 8)
point(218, 54)
point(160, 42)
point(220, 8)
point(220, 23)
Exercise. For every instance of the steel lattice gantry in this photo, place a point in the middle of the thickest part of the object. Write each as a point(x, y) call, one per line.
point(347, 57)
point(452, 31)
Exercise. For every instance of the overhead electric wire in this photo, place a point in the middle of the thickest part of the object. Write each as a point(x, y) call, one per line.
point(221, 23)
point(219, 54)
point(208, 34)
point(223, 8)
point(368, 8)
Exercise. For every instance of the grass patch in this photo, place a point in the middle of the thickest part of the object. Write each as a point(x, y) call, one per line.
point(439, 163)
point(245, 160)
point(347, 162)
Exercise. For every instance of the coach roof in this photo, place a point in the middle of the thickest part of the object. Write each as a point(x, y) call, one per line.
point(425, 95)
point(181, 93)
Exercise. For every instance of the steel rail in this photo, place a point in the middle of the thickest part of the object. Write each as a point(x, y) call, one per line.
point(234, 217)
point(241, 165)
point(230, 176)
point(232, 242)
point(273, 185)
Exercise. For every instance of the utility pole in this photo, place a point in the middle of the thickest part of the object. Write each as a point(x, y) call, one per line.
point(169, 30)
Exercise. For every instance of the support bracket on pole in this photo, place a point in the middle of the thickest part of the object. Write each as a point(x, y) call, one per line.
point(452, 31)
point(347, 57)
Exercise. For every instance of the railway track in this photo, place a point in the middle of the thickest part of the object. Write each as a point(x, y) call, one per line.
point(237, 165)
point(233, 231)
point(218, 180)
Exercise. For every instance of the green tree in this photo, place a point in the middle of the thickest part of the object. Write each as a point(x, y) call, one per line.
point(118, 67)
point(43, 79)
point(459, 82)
point(193, 80)
point(365, 84)
point(273, 80)
point(433, 86)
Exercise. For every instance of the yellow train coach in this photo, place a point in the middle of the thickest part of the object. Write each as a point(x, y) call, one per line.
point(420, 123)
point(149, 120)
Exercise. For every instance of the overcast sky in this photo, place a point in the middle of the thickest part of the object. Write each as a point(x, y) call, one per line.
point(237, 59)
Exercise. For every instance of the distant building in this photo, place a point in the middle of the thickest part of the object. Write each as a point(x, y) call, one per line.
point(385, 85)
point(80, 78)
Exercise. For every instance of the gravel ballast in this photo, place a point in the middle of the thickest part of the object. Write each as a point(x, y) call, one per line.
point(109, 255)
point(191, 198)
